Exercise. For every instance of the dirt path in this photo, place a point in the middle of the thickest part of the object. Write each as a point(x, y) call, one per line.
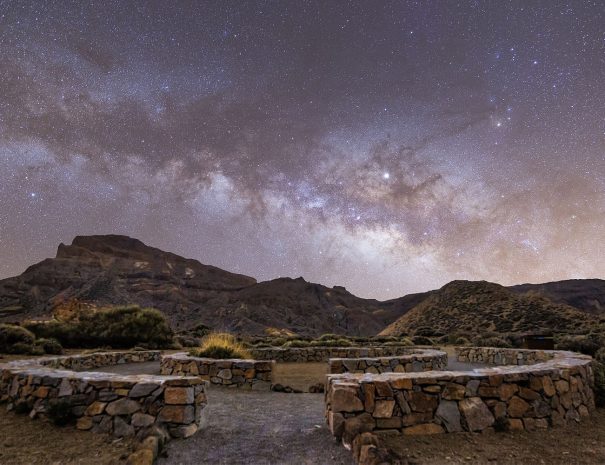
point(260, 428)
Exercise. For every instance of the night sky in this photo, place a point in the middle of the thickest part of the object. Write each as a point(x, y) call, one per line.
point(386, 146)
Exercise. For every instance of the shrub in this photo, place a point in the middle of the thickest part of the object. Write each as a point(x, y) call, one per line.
point(297, 343)
point(382, 339)
point(188, 341)
point(491, 341)
point(328, 337)
point(22, 348)
point(59, 411)
point(15, 339)
point(117, 327)
point(427, 332)
point(583, 344)
point(49, 346)
point(67, 334)
point(331, 343)
point(221, 345)
point(421, 341)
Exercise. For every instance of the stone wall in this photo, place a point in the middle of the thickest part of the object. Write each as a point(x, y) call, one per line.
point(528, 397)
point(323, 354)
point(100, 359)
point(253, 374)
point(422, 360)
point(503, 356)
point(104, 402)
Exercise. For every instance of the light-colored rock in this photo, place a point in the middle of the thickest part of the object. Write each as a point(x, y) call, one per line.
point(383, 409)
point(96, 408)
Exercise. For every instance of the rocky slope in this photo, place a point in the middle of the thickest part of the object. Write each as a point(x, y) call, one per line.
point(585, 294)
point(480, 306)
point(108, 270)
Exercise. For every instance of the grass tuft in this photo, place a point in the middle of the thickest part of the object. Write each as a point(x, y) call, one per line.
point(221, 345)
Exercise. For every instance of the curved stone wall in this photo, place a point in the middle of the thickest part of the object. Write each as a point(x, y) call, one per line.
point(503, 356)
point(422, 360)
point(253, 374)
point(99, 359)
point(549, 393)
point(323, 354)
point(105, 402)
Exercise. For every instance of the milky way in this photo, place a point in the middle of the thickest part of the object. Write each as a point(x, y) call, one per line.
point(386, 146)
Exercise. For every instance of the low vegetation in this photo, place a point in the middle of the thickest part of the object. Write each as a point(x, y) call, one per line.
point(222, 346)
point(18, 340)
point(117, 327)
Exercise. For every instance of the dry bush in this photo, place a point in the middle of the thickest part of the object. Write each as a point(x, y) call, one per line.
point(221, 345)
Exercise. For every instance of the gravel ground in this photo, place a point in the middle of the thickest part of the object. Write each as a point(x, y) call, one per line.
point(260, 428)
point(577, 444)
point(24, 441)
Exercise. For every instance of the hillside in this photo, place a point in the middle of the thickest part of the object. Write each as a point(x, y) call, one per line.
point(109, 270)
point(585, 294)
point(480, 306)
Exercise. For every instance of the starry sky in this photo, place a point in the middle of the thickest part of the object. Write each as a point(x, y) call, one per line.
point(387, 146)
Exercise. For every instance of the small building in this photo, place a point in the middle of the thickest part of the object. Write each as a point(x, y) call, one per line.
point(538, 341)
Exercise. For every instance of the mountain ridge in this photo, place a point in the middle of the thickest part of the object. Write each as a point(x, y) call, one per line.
point(103, 270)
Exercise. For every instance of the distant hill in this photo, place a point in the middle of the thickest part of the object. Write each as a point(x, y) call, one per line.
point(108, 270)
point(585, 294)
point(480, 306)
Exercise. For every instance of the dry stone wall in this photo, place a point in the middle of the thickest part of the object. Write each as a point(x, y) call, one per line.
point(422, 360)
point(503, 356)
point(529, 397)
point(138, 405)
point(99, 359)
point(323, 354)
point(252, 374)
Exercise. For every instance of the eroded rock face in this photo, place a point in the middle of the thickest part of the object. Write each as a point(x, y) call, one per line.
point(117, 270)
